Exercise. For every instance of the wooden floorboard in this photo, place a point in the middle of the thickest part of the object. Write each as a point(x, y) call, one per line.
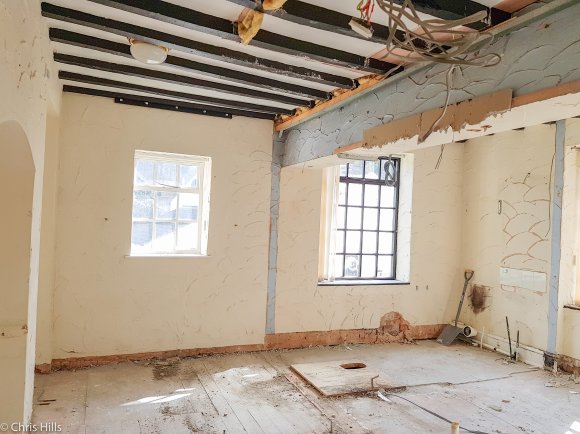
point(258, 393)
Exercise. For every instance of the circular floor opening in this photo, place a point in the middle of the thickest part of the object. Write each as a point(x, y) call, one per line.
point(353, 366)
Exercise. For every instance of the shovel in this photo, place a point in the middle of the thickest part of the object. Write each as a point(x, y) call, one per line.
point(450, 332)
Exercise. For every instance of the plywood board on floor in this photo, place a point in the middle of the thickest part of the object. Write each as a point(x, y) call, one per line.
point(341, 377)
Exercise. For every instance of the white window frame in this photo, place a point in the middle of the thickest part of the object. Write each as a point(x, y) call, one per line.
point(203, 165)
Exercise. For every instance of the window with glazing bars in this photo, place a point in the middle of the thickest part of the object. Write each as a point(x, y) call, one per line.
point(170, 203)
point(365, 239)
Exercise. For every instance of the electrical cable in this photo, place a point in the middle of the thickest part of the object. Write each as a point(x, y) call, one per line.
point(434, 414)
point(433, 40)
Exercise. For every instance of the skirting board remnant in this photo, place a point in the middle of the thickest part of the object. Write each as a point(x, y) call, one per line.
point(393, 329)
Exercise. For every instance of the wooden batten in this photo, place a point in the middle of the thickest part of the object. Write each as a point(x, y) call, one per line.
point(470, 112)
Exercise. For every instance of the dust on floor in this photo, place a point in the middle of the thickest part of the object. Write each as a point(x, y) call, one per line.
point(258, 393)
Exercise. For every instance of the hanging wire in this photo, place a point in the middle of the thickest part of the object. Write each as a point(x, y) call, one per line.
point(366, 9)
point(391, 171)
point(433, 40)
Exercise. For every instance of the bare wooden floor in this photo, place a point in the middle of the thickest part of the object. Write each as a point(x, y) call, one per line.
point(257, 393)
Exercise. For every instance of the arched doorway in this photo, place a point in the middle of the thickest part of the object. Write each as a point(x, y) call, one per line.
point(16, 193)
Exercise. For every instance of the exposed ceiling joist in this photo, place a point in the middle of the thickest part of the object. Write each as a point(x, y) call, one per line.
point(87, 79)
point(225, 29)
point(189, 46)
point(458, 9)
point(319, 18)
point(103, 45)
point(332, 21)
point(175, 78)
point(167, 104)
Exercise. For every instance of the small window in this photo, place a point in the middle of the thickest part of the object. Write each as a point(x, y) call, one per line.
point(170, 204)
point(363, 236)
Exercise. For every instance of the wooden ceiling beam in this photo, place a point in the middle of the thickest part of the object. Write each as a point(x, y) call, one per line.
point(183, 80)
point(222, 103)
point(225, 29)
point(318, 17)
point(193, 47)
point(321, 18)
point(166, 104)
point(106, 46)
point(458, 9)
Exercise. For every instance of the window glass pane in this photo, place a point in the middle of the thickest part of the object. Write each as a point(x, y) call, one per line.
point(342, 194)
point(387, 196)
point(371, 219)
point(368, 268)
point(351, 266)
point(166, 205)
point(339, 241)
point(369, 242)
point(387, 220)
point(167, 174)
point(142, 204)
point(188, 206)
point(371, 195)
point(355, 170)
point(365, 222)
point(385, 264)
point(372, 170)
point(164, 237)
point(352, 242)
point(338, 264)
point(340, 217)
point(187, 236)
point(187, 176)
point(144, 170)
point(354, 218)
point(385, 243)
point(141, 235)
point(355, 194)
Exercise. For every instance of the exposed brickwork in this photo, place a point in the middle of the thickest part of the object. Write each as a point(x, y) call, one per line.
point(393, 329)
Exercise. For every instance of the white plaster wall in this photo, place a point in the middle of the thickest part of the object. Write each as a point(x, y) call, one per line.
point(302, 305)
point(107, 303)
point(16, 187)
point(47, 242)
point(569, 319)
point(28, 90)
point(515, 168)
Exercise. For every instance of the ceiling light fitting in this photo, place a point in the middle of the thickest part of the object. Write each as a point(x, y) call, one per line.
point(148, 53)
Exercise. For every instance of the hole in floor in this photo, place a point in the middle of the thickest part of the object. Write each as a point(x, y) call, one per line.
point(353, 366)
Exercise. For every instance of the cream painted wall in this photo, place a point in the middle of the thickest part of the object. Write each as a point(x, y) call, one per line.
point(28, 90)
point(16, 188)
point(520, 237)
point(514, 167)
point(302, 305)
point(107, 303)
point(47, 242)
point(569, 293)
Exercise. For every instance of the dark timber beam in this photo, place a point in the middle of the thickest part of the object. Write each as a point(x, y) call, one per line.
point(193, 47)
point(198, 21)
point(87, 79)
point(166, 104)
point(174, 78)
point(332, 21)
point(320, 18)
point(458, 9)
point(103, 45)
